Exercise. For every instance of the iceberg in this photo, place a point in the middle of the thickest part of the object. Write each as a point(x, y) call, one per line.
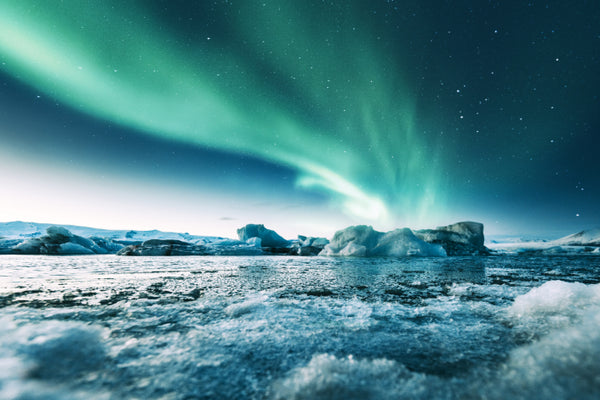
point(459, 239)
point(364, 241)
point(268, 237)
point(310, 246)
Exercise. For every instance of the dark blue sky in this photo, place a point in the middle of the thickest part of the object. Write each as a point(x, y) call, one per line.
point(308, 117)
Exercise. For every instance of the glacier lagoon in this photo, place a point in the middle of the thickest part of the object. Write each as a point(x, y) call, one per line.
point(268, 327)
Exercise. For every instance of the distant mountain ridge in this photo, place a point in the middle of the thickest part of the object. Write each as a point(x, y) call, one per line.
point(590, 237)
point(583, 242)
point(23, 230)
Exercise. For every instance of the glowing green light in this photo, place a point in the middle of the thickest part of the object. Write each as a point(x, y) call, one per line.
point(358, 143)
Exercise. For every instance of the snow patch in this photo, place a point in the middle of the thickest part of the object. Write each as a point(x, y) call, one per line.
point(329, 377)
point(554, 305)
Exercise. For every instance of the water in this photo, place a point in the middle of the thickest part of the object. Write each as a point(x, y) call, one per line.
point(107, 327)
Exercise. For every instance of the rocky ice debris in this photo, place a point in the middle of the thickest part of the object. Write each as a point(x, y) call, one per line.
point(173, 247)
point(364, 241)
point(163, 247)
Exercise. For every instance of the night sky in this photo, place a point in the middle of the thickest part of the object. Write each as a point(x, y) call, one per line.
point(307, 116)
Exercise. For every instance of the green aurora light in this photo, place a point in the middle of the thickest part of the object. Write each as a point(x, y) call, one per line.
point(308, 87)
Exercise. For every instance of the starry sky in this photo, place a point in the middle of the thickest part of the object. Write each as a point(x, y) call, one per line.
point(306, 116)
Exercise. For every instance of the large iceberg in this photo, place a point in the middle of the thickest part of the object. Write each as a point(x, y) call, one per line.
point(364, 241)
point(459, 239)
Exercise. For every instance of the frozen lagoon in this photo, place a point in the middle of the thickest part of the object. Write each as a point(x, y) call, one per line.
point(108, 327)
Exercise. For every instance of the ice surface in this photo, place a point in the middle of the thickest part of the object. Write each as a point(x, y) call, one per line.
point(290, 327)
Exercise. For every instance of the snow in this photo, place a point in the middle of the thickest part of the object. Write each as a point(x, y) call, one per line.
point(556, 298)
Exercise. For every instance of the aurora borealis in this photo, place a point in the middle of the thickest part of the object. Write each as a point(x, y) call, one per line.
point(386, 113)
